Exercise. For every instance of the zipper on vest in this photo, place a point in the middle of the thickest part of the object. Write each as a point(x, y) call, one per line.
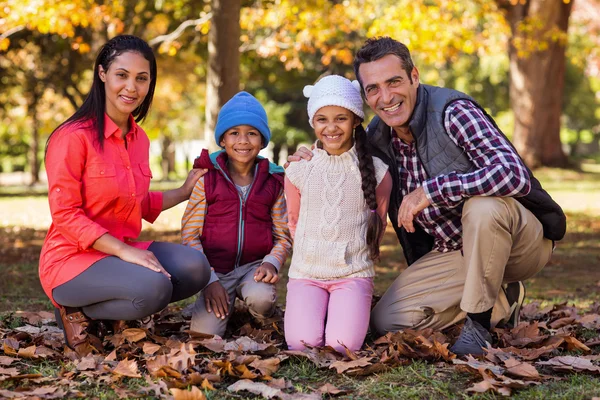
point(241, 222)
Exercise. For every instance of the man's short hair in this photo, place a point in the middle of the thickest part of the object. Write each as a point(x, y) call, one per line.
point(379, 47)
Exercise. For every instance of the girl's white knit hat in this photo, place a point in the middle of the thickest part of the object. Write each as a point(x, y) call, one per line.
point(334, 90)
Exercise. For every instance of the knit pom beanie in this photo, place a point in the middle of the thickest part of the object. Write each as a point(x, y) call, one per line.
point(334, 90)
point(243, 109)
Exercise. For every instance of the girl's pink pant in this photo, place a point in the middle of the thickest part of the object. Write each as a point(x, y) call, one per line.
point(328, 312)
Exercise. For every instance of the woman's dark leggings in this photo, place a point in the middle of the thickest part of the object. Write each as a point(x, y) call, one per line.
point(114, 289)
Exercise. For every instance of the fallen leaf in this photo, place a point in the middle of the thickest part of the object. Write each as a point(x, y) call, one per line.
point(9, 371)
point(561, 322)
point(133, 335)
point(150, 348)
point(194, 394)
point(574, 344)
point(266, 367)
point(86, 363)
point(112, 356)
point(4, 360)
point(183, 358)
point(521, 369)
point(476, 366)
point(570, 363)
point(27, 352)
point(206, 385)
point(590, 321)
point(328, 388)
point(159, 388)
point(127, 368)
point(341, 366)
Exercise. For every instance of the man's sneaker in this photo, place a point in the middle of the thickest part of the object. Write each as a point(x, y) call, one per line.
point(472, 339)
point(515, 294)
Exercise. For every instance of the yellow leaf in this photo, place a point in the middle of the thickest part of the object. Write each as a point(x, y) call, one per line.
point(194, 394)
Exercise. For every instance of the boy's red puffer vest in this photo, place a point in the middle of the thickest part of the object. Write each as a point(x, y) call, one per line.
point(235, 232)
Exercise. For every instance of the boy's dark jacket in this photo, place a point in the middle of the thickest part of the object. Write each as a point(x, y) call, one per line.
point(440, 155)
point(237, 232)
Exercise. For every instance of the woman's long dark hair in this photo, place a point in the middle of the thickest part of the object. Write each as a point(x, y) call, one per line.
point(94, 105)
point(369, 186)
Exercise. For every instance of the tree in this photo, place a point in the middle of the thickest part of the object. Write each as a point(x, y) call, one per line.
point(537, 57)
point(223, 75)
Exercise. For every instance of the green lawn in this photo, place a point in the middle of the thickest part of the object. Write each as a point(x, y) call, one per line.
point(573, 275)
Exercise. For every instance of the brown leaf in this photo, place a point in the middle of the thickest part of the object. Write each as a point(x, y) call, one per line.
point(112, 356)
point(243, 372)
point(10, 346)
point(127, 368)
point(158, 389)
point(194, 394)
point(330, 389)
point(476, 366)
point(215, 344)
point(245, 344)
point(524, 335)
point(183, 358)
point(341, 366)
point(133, 335)
point(159, 367)
point(266, 367)
point(269, 392)
point(34, 318)
point(206, 385)
point(574, 344)
point(27, 352)
point(150, 348)
point(570, 363)
point(9, 371)
point(4, 360)
point(86, 363)
point(590, 321)
point(561, 322)
point(521, 369)
point(482, 387)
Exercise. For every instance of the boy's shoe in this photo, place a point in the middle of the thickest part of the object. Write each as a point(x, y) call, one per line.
point(515, 294)
point(472, 339)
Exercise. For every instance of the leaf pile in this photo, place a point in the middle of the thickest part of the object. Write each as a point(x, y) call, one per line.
point(170, 362)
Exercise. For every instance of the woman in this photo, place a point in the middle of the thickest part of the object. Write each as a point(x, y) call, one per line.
point(97, 163)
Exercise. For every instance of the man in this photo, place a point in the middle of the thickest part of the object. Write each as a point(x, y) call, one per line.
point(472, 220)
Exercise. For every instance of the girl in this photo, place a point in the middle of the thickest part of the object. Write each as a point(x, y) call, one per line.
point(91, 267)
point(337, 205)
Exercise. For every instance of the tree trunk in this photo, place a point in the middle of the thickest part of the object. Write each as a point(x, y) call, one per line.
point(276, 151)
point(537, 81)
point(167, 155)
point(223, 75)
point(34, 146)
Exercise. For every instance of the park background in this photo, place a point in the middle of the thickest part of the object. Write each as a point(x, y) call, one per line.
point(533, 64)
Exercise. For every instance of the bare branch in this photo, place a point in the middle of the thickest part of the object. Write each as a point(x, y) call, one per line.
point(12, 31)
point(179, 31)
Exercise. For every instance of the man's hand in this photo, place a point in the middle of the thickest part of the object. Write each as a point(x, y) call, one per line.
point(302, 153)
point(266, 273)
point(217, 299)
point(412, 204)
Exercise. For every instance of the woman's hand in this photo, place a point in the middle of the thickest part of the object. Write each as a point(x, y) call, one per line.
point(145, 258)
point(175, 196)
point(191, 180)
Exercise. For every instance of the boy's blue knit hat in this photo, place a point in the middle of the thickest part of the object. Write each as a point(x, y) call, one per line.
point(242, 109)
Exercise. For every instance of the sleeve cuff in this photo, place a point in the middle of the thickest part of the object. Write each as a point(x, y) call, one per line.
point(433, 193)
point(87, 240)
point(273, 260)
point(213, 277)
point(156, 203)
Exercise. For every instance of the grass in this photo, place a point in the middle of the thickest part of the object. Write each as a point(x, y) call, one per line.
point(573, 275)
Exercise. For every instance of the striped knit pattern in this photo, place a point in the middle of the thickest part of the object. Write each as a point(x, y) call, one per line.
point(192, 225)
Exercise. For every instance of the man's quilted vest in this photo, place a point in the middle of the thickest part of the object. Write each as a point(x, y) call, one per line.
point(439, 155)
point(237, 232)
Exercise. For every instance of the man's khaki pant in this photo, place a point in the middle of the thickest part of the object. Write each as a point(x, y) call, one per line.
point(503, 242)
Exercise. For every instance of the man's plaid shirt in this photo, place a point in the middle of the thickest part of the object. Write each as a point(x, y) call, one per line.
point(501, 173)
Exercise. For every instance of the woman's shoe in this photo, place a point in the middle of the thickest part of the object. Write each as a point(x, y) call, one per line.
point(74, 324)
